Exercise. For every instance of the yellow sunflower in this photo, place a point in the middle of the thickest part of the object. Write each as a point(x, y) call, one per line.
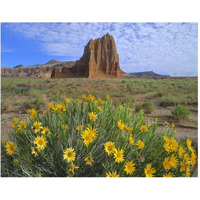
point(35, 151)
point(140, 144)
point(61, 107)
point(149, 172)
point(131, 141)
point(92, 116)
point(174, 144)
point(22, 126)
point(69, 155)
point(167, 139)
point(167, 147)
point(129, 167)
point(173, 161)
point(52, 107)
point(114, 174)
point(91, 97)
point(101, 100)
point(65, 126)
point(33, 113)
point(89, 160)
point(109, 147)
point(4, 141)
point(187, 173)
point(87, 138)
point(183, 167)
point(73, 167)
point(128, 128)
point(167, 164)
point(169, 174)
point(79, 127)
point(84, 97)
point(41, 142)
point(89, 135)
point(100, 109)
point(144, 128)
point(193, 158)
point(167, 123)
point(189, 143)
point(37, 126)
point(121, 125)
point(45, 131)
point(186, 158)
point(10, 148)
point(119, 155)
point(181, 151)
point(67, 100)
point(15, 120)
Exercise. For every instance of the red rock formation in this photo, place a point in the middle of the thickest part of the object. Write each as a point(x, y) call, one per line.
point(99, 60)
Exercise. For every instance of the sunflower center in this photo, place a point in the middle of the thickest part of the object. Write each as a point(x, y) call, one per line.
point(149, 171)
point(87, 137)
point(40, 142)
point(118, 155)
point(12, 148)
point(69, 154)
point(109, 148)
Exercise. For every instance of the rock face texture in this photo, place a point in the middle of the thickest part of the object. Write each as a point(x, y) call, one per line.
point(34, 72)
point(99, 60)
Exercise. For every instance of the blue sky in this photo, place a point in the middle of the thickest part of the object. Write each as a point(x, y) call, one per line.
point(165, 48)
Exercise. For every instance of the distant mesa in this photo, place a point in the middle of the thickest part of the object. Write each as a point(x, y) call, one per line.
point(100, 60)
point(147, 74)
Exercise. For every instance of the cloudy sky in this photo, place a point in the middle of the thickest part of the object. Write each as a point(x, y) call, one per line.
point(165, 48)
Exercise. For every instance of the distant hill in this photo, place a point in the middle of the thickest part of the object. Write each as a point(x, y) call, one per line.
point(19, 66)
point(148, 74)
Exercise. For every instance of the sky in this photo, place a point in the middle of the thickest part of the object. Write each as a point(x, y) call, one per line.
point(165, 48)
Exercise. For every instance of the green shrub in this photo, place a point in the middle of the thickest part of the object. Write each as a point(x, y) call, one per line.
point(180, 113)
point(26, 105)
point(21, 89)
point(147, 107)
point(138, 107)
point(38, 101)
point(123, 81)
point(129, 100)
point(158, 94)
point(168, 101)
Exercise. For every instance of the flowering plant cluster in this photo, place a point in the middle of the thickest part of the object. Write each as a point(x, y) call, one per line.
point(92, 138)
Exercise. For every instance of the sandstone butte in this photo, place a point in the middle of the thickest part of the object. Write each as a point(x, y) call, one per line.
point(100, 60)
